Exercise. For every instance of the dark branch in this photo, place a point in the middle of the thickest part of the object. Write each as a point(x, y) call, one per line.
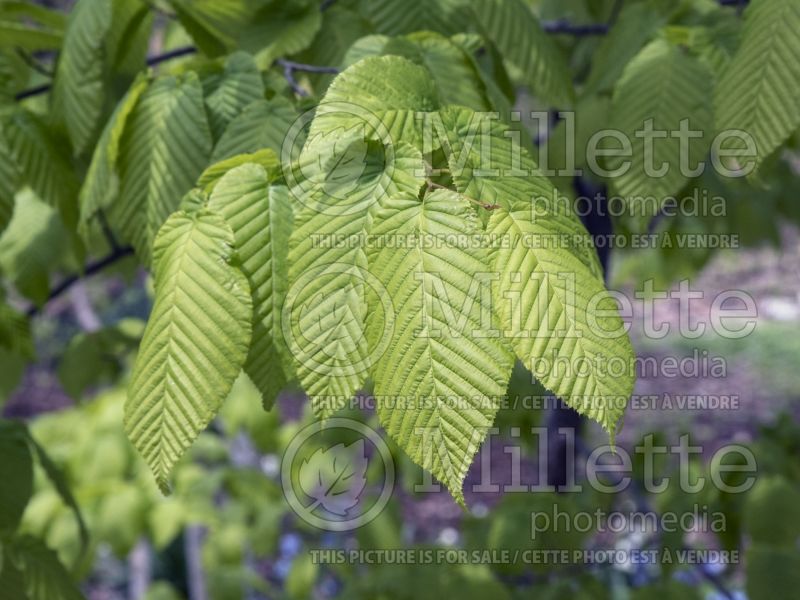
point(295, 66)
point(567, 28)
point(176, 53)
point(151, 62)
point(91, 269)
point(289, 67)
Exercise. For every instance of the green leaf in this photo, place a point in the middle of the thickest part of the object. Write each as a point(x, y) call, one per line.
point(163, 150)
point(266, 158)
point(79, 87)
point(42, 163)
point(231, 91)
point(32, 246)
point(758, 91)
point(101, 185)
point(636, 25)
point(397, 17)
point(665, 85)
point(380, 94)
point(456, 76)
point(263, 124)
point(325, 312)
point(28, 37)
point(195, 342)
point(545, 290)
point(128, 39)
point(260, 216)
point(40, 575)
point(95, 358)
point(28, 11)
point(213, 23)
point(16, 471)
point(516, 32)
point(266, 29)
point(442, 370)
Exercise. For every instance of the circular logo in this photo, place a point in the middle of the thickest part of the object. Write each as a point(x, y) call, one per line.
point(331, 471)
point(324, 315)
point(337, 165)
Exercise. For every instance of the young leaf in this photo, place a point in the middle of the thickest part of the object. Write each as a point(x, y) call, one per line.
point(260, 216)
point(195, 342)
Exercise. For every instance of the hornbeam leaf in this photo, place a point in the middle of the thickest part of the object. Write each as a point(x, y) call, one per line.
point(325, 313)
point(260, 216)
point(266, 158)
point(102, 180)
point(395, 17)
point(549, 303)
point(164, 148)
point(456, 75)
point(195, 342)
point(79, 87)
point(262, 124)
point(758, 91)
point(553, 306)
point(229, 92)
point(383, 94)
point(445, 366)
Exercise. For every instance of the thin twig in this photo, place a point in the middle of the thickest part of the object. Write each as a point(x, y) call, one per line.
point(91, 269)
point(296, 66)
point(176, 53)
point(567, 28)
point(151, 62)
point(289, 67)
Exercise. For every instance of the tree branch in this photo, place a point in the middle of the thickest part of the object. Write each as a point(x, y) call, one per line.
point(151, 62)
point(289, 67)
point(91, 269)
point(567, 28)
